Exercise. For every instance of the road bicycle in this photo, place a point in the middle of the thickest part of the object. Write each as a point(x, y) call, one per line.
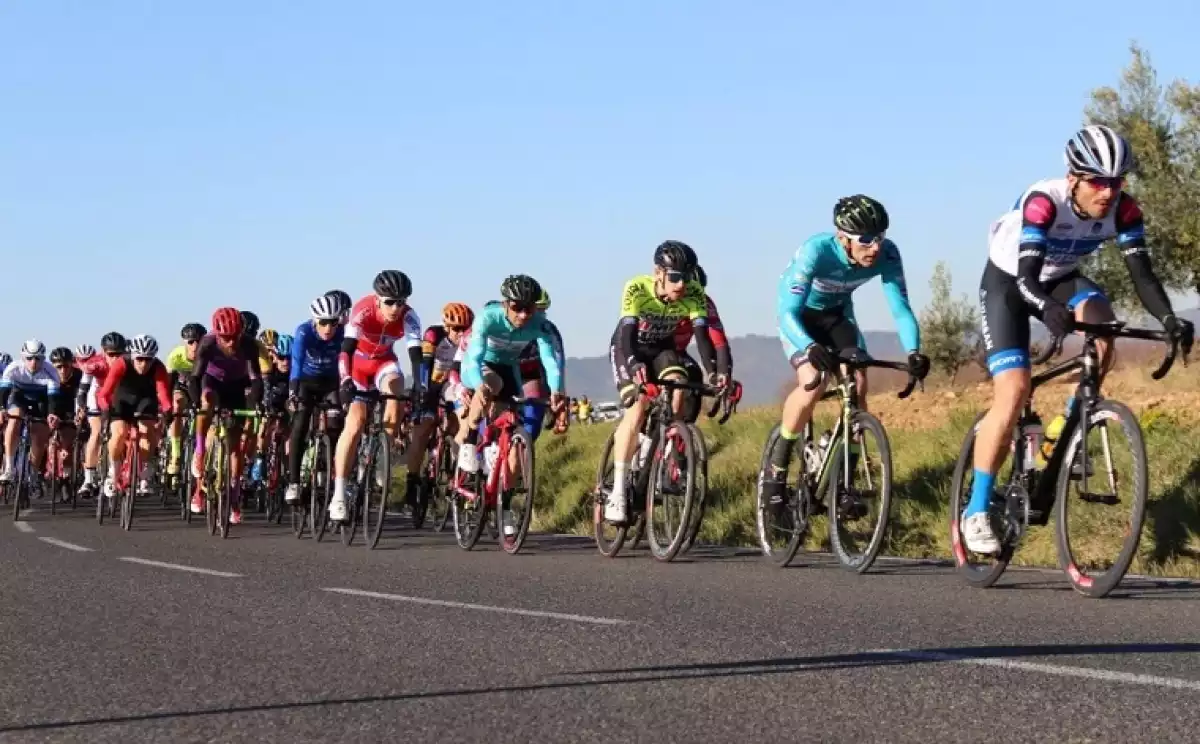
point(667, 478)
point(125, 481)
point(496, 492)
point(1025, 492)
point(438, 474)
point(825, 481)
point(218, 483)
point(316, 472)
point(61, 480)
point(18, 490)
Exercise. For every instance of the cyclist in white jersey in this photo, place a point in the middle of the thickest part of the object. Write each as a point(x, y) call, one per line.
point(1034, 252)
point(29, 389)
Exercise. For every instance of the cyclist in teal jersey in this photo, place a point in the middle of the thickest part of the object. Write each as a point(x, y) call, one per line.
point(490, 365)
point(816, 314)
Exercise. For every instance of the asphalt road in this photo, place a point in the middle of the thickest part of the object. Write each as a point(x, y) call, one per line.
point(107, 636)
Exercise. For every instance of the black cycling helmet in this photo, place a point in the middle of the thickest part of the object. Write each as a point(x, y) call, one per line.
point(61, 355)
point(193, 332)
point(249, 324)
point(113, 341)
point(393, 285)
point(860, 215)
point(699, 275)
point(673, 254)
point(343, 299)
point(521, 288)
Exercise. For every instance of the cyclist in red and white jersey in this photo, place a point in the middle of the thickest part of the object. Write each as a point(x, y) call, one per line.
point(368, 362)
point(95, 370)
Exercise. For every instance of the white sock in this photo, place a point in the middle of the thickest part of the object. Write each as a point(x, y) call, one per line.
point(339, 488)
point(620, 470)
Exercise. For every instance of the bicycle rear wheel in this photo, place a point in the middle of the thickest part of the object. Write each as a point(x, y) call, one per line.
point(978, 573)
point(439, 468)
point(1088, 561)
point(184, 482)
point(669, 498)
point(609, 537)
point(782, 526)
point(51, 481)
point(521, 494)
point(376, 500)
point(701, 499)
point(858, 522)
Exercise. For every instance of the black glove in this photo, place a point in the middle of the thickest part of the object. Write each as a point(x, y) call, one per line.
point(1178, 328)
point(821, 359)
point(918, 365)
point(1057, 319)
point(347, 389)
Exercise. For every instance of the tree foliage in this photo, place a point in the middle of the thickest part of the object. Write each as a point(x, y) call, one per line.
point(1163, 125)
point(949, 326)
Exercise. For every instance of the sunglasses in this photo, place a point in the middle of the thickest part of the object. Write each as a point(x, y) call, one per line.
point(227, 339)
point(192, 342)
point(327, 323)
point(142, 358)
point(870, 239)
point(61, 366)
point(456, 329)
point(391, 301)
point(112, 354)
point(522, 308)
point(1101, 183)
point(676, 277)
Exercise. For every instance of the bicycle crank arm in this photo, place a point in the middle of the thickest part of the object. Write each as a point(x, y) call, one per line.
point(1100, 498)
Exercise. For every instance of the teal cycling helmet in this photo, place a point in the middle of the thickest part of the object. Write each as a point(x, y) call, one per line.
point(283, 346)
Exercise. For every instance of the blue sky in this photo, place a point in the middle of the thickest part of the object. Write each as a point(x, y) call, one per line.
point(158, 160)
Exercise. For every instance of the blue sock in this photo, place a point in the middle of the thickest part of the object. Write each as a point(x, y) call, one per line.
point(981, 493)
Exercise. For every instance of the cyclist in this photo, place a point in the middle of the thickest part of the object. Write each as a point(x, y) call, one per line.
point(816, 315)
point(441, 361)
point(69, 377)
point(722, 361)
point(225, 376)
point(533, 376)
point(137, 385)
point(179, 369)
point(313, 377)
point(1034, 252)
point(643, 349)
point(275, 396)
point(377, 322)
point(95, 368)
point(490, 363)
point(5, 360)
point(29, 389)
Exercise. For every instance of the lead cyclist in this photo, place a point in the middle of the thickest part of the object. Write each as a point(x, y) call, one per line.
point(1034, 252)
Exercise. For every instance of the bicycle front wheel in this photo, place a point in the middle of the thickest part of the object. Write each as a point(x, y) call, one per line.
point(783, 523)
point(669, 497)
point(469, 518)
point(609, 537)
point(860, 504)
point(378, 484)
point(517, 514)
point(320, 488)
point(133, 459)
point(1104, 519)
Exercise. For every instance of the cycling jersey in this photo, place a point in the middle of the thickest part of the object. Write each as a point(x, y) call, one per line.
point(178, 362)
point(124, 382)
point(496, 341)
point(821, 276)
point(212, 361)
point(264, 358)
point(648, 325)
point(373, 338)
point(440, 357)
point(39, 384)
point(1043, 239)
point(94, 369)
point(716, 333)
point(313, 357)
point(530, 361)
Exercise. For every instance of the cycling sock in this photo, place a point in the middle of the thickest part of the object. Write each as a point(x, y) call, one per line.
point(620, 472)
point(981, 493)
point(176, 446)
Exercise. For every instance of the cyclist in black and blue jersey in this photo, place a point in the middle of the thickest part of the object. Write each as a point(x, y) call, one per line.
point(313, 377)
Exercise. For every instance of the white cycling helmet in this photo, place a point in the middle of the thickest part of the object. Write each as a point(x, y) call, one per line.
point(143, 346)
point(85, 351)
point(33, 349)
point(1096, 150)
point(326, 307)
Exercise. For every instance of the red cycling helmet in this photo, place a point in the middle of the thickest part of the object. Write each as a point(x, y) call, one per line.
point(227, 322)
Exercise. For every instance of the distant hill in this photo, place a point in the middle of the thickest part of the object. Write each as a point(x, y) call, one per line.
point(760, 365)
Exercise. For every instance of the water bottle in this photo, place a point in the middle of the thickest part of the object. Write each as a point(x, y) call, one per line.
point(643, 450)
point(1031, 440)
point(491, 453)
point(824, 443)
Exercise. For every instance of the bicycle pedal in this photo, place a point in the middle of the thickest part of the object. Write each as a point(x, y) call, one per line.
point(1110, 499)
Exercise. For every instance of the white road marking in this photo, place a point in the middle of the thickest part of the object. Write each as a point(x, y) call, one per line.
point(25, 527)
point(67, 545)
point(1102, 675)
point(180, 567)
point(484, 608)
